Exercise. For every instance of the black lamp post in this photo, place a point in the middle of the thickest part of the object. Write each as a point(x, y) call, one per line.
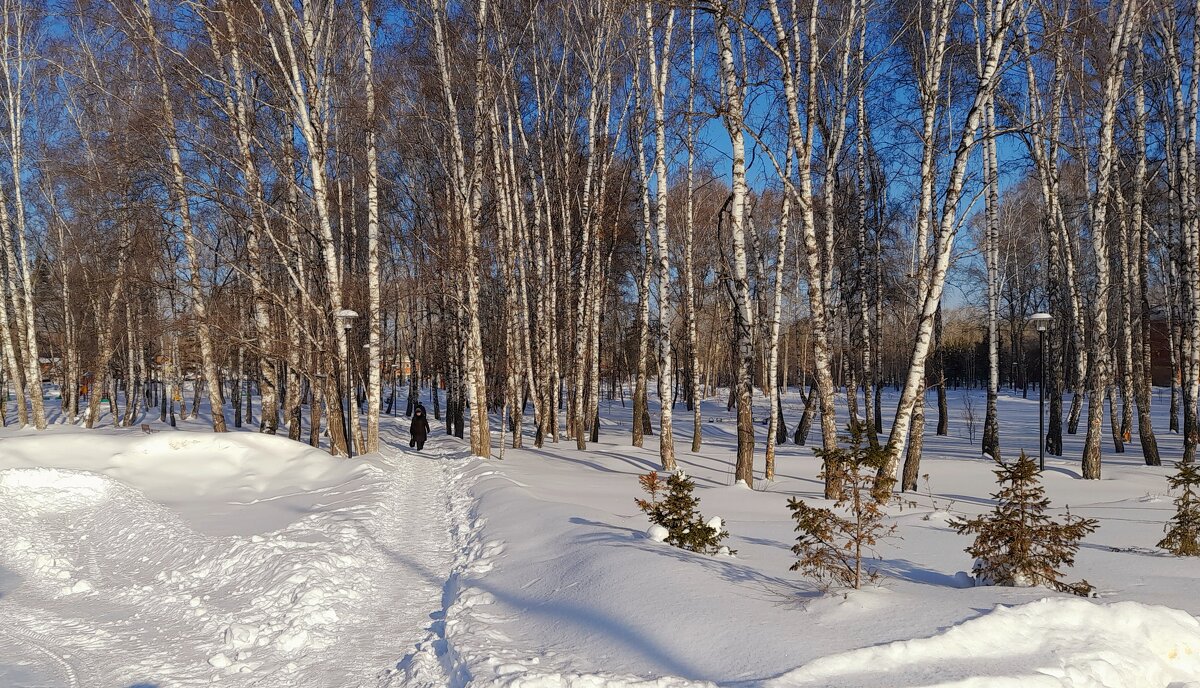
point(1042, 322)
point(162, 394)
point(345, 317)
point(367, 357)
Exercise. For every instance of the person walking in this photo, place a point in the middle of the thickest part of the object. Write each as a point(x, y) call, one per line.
point(419, 430)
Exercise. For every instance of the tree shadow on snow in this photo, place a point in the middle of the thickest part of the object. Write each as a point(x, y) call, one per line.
point(1065, 471)
point(1135, 550)
point(910, 571)
point(729, 569)
point(966, 499)
point(612, 627)
point(434, 578)
point(640, 465)
point(8, 581)
point(765, 542)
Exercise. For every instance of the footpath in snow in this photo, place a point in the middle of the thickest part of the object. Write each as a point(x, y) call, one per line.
point(181, 558)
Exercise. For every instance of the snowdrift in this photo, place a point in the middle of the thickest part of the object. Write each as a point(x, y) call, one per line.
point(203, 477)
point(1052, 643)
point(163, 464)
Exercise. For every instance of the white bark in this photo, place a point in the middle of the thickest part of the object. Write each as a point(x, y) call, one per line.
point(801, 133)
point(299, 44)
point(734, 119)
point(236, 98)
point(13, 44)
point(374, 287)
point(659, 71)
point(689, 262)
point(467, 213)
point(991, 425)
point(1118, 42)
point(932, 285)
point(179, 197)
point(776, 312)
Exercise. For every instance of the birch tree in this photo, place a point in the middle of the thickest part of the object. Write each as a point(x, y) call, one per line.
point(733, 116)
point(658, 63)
point(15, 62)
point(467, 208)
point(1120, 21)
point(932, 278)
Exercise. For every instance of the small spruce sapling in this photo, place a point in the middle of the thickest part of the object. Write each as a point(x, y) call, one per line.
point(1183, 530)
point(833, 544)
point(674, 506)
point(1017, 544)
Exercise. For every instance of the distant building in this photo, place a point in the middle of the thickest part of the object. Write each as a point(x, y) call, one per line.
point(1161, 373)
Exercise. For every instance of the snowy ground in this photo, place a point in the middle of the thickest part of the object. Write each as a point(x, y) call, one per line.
point(182, 558)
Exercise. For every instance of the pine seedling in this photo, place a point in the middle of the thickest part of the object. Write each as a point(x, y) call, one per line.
point(1183, 530)
point(1017, 544)
point(834, 543)
point(653, 486)
point(678, 510)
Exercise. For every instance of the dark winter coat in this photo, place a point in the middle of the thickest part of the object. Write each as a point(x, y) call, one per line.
point(420, 424)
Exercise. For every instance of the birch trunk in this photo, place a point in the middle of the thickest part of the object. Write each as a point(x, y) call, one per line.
point(991, 424)
point(640, 410)
point(179, 193)
point(933, 285)
point(236, 98)
point(871, 426)
point(1137, 281)
point(773, 352)
point(817, 251)
point(743, 335)
point(1189, 243)
point(1044, 149)
point(1117, 45)
point(15, 374)
point(375, 315)
point(105, 322)
point(689, 268)
point(16, 73)
point(659, 66)
point(301, 56)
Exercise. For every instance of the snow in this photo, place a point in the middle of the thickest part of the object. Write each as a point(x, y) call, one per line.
point(657, 533)
point(1060, 643)
point(206, 479)
point(595, 599)
point(180, 558)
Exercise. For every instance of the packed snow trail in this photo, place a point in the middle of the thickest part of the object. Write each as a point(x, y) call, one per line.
point(102, 586)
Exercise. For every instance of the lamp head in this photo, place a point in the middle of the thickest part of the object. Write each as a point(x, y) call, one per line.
point(346, 317)
point(1041, 321)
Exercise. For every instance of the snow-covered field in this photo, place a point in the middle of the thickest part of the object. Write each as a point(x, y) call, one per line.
point(181, 558)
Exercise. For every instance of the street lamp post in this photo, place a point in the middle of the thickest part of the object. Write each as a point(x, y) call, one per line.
point(162, 394)
point(1042, 322)
point(345, 317)
point(367, 358)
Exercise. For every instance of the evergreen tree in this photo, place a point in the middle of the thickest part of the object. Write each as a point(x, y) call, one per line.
point(834, 543)
point(678, 510)
point(1017, 544)
point(1183, 530)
